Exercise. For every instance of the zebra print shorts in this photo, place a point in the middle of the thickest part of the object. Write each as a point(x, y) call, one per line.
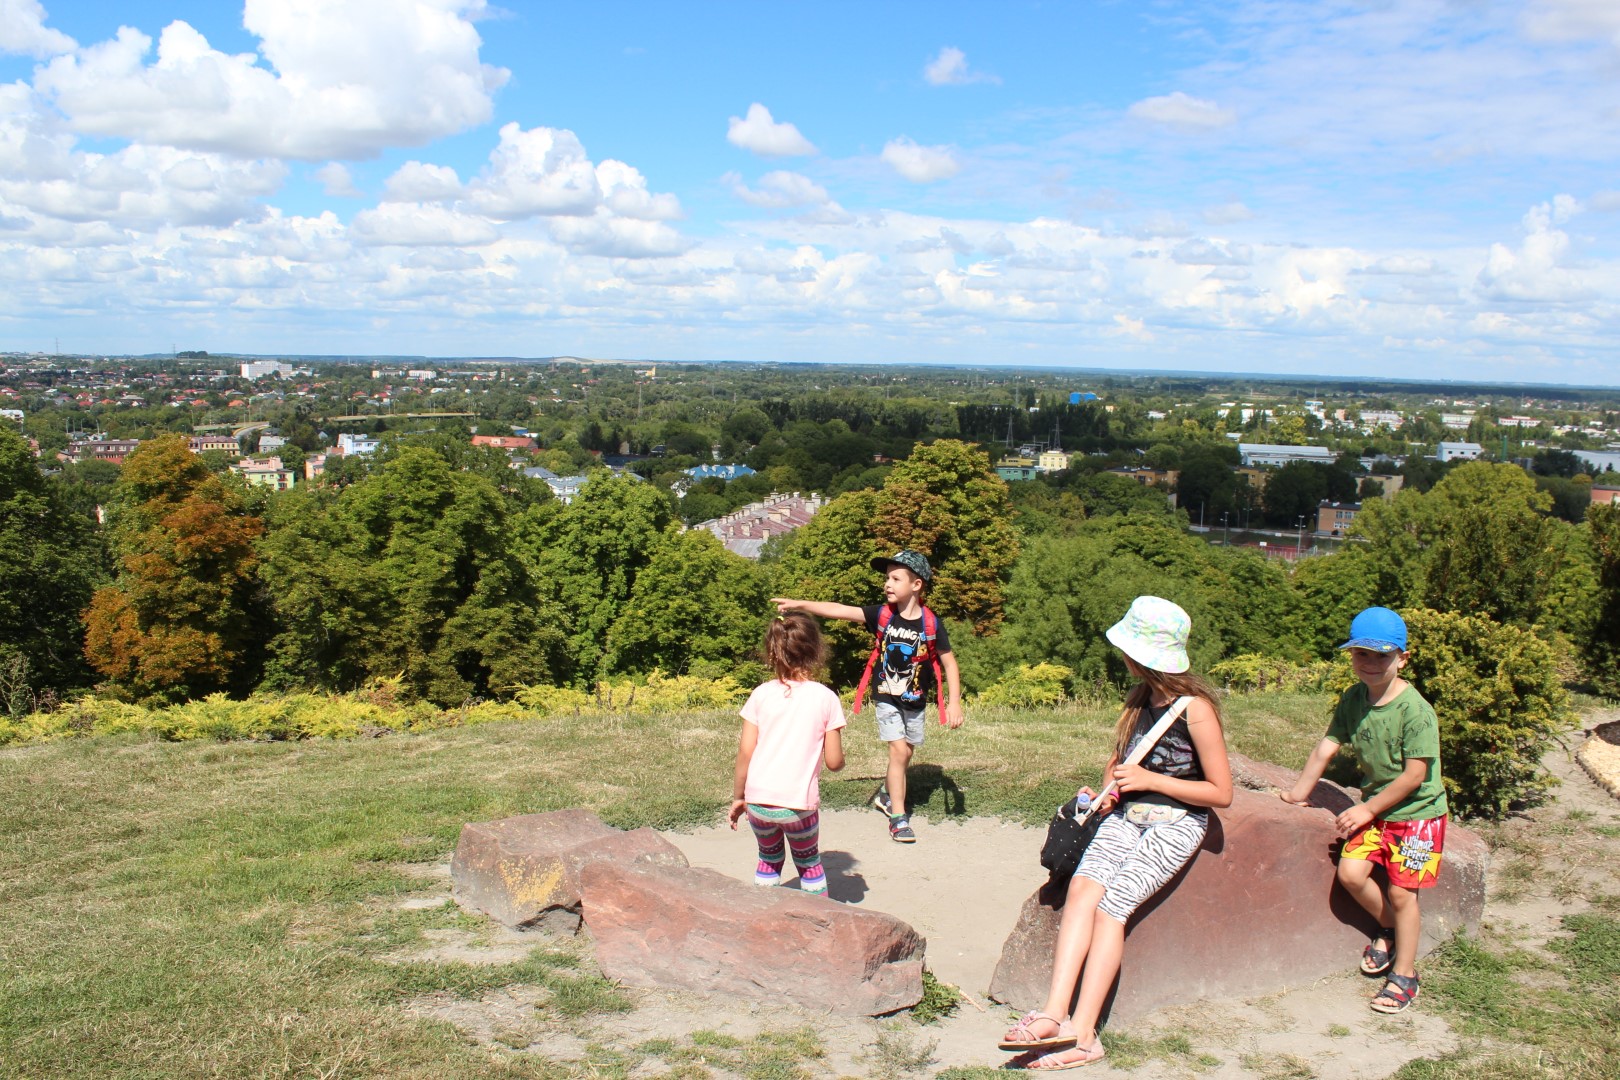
point(1132, 862)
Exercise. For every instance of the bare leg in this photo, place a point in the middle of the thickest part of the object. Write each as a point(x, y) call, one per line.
point(900, 753)
point(1074, 942)
point(1107, 952)
point(1356, 877)
point(1408, 926)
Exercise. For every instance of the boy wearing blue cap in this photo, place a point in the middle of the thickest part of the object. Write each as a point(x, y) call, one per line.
point(1401, 822)
point(907, 635)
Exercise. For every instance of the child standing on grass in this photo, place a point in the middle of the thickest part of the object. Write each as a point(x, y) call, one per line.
point(1401, 822)
point(1157, 826)
point(790, 726)
point(908, 637)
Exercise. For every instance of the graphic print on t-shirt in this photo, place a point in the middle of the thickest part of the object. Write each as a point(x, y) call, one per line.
point(899, 674)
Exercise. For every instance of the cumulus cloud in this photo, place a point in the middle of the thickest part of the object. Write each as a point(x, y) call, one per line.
point(336, 180)
point(23, 31)
point(1182, 112)
point(920, 164)
point(950, 68)
point(345, 79)
point(415, 181)
point(1201, 252)
point(617, 237)
point(420, 225)
point(1125, 326)
point(759, 133)
point(778, 190)
point(1536, 270)
point(545, 172)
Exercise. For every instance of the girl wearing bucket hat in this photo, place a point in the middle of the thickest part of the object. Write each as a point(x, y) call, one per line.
point(1151, 829)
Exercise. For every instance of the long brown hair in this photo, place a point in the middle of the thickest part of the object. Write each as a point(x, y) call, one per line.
point(1156, 684)
point(793, 646)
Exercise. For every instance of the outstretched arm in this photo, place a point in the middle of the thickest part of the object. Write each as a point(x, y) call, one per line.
point(1314, 768)
point(820, 609)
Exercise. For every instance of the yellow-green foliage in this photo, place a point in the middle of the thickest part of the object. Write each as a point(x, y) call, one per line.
point(376, 709)
point(1031, 685)
point(1252, 672)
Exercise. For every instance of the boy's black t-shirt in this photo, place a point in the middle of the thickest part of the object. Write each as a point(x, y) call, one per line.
point(897, 677)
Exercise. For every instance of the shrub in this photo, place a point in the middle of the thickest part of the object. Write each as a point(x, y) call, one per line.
point(1500, 704)
point(1252, 672)
point(1029, 686)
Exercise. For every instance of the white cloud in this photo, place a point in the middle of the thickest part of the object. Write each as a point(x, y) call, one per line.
point(420, 224)
point(1201, 252)
point(416, 181)
point(1536, 270)
point(1228, 213)
point(545, 172)
point(920, 164)
point(345, 79)
point(1573, 20)
point(336, 180)
point(23, 31)
point(1125, 326)
point(778, 190)
point(762, 135)
point(950, 68)
point(617, 237)
point(1183, 112)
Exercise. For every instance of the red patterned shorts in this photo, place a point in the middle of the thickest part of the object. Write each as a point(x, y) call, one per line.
point(1409, 850)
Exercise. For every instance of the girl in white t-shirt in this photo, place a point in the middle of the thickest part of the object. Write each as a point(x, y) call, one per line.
point(790, 726)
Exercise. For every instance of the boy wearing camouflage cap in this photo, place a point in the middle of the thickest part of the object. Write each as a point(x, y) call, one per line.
point(907, 636)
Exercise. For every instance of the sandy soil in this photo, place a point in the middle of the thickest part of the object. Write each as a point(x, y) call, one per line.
point(961, 886)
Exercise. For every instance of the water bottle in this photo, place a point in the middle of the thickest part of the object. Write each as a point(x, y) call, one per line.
point(1082, 803)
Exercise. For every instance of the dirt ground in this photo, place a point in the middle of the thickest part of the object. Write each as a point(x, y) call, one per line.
point(961, 886)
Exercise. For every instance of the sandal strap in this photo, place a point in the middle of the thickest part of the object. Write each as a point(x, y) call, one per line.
point(1405, 988)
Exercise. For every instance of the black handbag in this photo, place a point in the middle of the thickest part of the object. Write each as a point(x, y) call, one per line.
point(1067, 836)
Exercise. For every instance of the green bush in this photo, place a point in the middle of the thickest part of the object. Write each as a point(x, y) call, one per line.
point(1500, 704)
point(1029, 686)
point(1254, 673)
point(380, 707)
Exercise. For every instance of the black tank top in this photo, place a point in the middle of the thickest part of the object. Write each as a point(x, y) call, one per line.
point(1173, 755)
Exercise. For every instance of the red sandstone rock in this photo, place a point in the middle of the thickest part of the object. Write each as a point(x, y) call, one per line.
point(1257, 910)
point(686, 929)
point(523, 871)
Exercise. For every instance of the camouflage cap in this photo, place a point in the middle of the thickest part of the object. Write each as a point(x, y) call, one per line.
point(915, 561)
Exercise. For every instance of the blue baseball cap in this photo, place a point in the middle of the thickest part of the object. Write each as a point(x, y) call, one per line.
point(1378, 629)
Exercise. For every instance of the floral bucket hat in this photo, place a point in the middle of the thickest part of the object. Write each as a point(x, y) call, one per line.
point(1154, 633)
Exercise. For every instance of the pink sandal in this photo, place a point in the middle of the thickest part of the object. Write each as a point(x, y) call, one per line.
point(1089, 1055)
point(1031, 1041)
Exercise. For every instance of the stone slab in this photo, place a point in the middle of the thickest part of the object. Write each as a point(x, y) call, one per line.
point(678, 928)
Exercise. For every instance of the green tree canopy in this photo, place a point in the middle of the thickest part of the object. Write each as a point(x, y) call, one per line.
point(50, 563)
point(407, 572)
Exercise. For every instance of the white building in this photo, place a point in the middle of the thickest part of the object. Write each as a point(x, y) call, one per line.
point(356, 444)
point(1257, 454)
point(1452, 451)
point(258, 369)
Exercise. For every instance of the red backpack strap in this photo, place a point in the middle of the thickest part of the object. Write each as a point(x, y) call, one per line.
point(884, 616)
point(930, 632)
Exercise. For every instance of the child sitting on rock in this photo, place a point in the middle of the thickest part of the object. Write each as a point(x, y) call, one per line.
point(1143, 842)
point(791, 725)
point(1401, 822)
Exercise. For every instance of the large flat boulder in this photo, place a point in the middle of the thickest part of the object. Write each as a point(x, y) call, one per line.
point(1255, 912)
point(678, 928)
point(525, 871)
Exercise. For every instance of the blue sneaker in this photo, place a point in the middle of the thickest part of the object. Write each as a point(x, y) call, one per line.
point(900, 830)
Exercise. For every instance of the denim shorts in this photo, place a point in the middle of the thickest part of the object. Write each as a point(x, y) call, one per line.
point(896, 723)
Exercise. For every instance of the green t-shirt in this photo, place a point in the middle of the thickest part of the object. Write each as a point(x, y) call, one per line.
point(1383, 737)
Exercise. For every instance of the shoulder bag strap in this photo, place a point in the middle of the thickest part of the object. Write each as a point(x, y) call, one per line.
point(1155, 733)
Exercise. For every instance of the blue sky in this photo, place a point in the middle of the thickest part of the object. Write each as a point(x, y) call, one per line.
point(1354, 187)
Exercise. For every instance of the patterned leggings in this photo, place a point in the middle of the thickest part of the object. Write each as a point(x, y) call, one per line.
point(1132, 862)
point(800, 829)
